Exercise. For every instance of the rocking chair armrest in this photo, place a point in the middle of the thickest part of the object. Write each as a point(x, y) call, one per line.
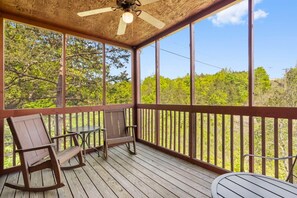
point(63, 136)
point(35, 148)
point(269, 158)
point(132, 126)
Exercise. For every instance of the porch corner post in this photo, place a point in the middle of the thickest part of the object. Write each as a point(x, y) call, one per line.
point(157, 73)
point(104, 74)
point(1, 95)
point(136, 88)
point(192, 115)
point(251, 80)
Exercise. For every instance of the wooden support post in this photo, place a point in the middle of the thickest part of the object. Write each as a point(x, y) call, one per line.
point(192, 116)
point(104, 74)
point(64, 46)
point(251, 80)
point(1, 95)
point(157, 70)
point(136, 88)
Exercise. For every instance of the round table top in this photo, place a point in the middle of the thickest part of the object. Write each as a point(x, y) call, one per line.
point(251, 185)
point(83, 129)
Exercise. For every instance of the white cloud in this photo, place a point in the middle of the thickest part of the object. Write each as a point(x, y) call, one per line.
point(236, 14)
point(260, 14)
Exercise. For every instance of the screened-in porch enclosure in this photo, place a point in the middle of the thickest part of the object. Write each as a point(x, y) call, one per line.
point(205, 81)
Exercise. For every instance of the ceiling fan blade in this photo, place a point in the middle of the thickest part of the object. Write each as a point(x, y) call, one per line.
point(144, 2)
point(96, 11)
point(122, 27)
point(152, 20)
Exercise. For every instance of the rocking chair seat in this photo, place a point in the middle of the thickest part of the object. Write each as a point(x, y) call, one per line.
point(120, 140)
point(67, 154)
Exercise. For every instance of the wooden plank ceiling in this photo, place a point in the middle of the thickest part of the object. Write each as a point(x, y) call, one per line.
point(63, 13)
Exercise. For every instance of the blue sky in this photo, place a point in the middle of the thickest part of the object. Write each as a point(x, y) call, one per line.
point(222, 42)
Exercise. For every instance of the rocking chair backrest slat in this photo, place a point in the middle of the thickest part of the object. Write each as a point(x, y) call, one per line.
point(115, 123)
point(28, 132)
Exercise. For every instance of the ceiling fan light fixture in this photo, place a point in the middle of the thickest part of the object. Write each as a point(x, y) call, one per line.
point(127, 17)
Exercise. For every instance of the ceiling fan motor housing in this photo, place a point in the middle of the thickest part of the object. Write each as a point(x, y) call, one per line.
point(127, 5)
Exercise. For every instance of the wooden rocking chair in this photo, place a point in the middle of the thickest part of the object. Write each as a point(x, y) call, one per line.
point(35, 148)
point(116, 132)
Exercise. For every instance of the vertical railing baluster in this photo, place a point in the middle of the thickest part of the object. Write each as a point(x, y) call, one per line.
point(174, 131)
point(170, 131)
point(223, 140)
point(241, 144)
point(263, 131)
point(231, 143)
point(166, 129)
point(201, 136)
point(82, 118)
point(152, 127)
point(178, 128)
point(94, 124)
point(276, 147)
point(215, 140)
point(161, 128)
point(208, 137)
point(143, 124)
point(70, 126)
point(184, 151)
point(290, 146)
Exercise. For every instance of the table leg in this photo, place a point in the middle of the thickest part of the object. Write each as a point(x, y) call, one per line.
point(84, 144)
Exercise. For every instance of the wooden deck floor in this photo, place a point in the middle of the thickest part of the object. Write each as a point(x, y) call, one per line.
point(148, 174)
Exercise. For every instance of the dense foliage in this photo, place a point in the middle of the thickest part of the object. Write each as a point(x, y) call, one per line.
point(33, 70)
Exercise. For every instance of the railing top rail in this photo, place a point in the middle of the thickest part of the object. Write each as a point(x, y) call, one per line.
point(273, 112)
point(48, 111)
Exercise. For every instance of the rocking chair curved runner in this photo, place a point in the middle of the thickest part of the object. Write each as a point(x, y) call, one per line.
point(35, 148)
point(116, 132)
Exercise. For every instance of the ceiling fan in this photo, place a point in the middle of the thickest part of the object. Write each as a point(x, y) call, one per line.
point(129, 7)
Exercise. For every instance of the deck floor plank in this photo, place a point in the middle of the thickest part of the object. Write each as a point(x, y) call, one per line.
point(103, 188)
point(2, 182)
point(19, 193)
point(186, 168)
point(150, 173)
point(191, 168)
point(176, 180)
point(150, 182)
point(133, 190)
point(147, 190)
point(48, 180)
point(153, 175)
point(9, 192)
point(65, 191)
point(175, 189)
point(196, 183)
point(36, 181)
point(110, 181)
point(74, 184)
point(85, 181)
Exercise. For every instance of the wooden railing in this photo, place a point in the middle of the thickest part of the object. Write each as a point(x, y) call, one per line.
point(213, 137)
point(57, 122)
point(217, 137)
